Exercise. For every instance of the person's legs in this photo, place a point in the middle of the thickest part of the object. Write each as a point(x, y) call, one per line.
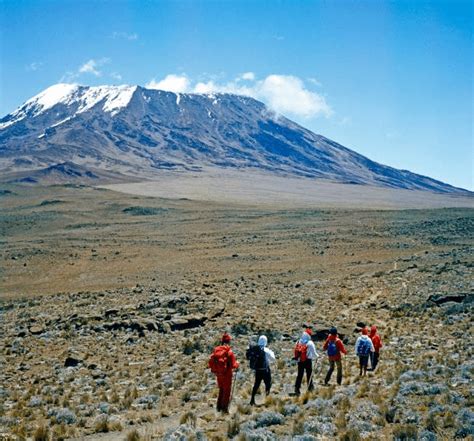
point(220, 384)
point(360, 365)
point(299, 378)
point(364, 361)
point(375, 360)
point(226, 391)
point(309, 371)
point(258, 379)
point(267, 379)
point(330, 371)
point(339, 372)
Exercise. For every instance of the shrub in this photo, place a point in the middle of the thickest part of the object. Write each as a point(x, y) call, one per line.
point(269, 419)
point(233, 426)
point(350, 435)
point(405, 432)
point(41, 433)
point(134, 435)
point(188, 418)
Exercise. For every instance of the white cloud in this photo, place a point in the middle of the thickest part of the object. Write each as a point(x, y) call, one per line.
point(36, 65)
point(116, 76)
point(284, 94)
point(92, 66)
point(125, 36)
point(248, 76)
point(171, 83)
point(287, 94)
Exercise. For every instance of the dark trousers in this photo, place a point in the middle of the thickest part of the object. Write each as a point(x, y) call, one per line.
point(363, 363)
point(374, 360)
point(331, 370)
point(264, 375)
point(303, 366)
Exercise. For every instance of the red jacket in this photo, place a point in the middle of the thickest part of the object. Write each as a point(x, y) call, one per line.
point(232, 362)
point(376, 340)
point(339, 345)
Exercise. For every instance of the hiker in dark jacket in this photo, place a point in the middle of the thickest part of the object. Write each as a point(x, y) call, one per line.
point(260, 359)
point(364, 348)
point(334, 347)
point(222, 362)
point(305, 353)
point(377, 341)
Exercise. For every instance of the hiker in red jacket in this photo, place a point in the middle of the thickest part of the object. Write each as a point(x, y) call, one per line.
point(222, 362)
point(334, 347)
point(377, 342)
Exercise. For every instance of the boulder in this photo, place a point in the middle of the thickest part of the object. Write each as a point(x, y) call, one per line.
point(439, 299)
point(37, 329)
point(72, 361)
point(186, 322)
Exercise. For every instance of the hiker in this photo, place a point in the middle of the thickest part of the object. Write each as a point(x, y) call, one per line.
point(363, 348)
point(334, 347)
point(260, 358)
point(377, 342)
point(305, 353)
point(222, 362)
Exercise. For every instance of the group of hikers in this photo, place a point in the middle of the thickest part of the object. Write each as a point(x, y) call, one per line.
point(223, 361)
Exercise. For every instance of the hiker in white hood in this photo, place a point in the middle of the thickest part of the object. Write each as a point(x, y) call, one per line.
point(260, 358)
point(304, 354)
point(363, 348)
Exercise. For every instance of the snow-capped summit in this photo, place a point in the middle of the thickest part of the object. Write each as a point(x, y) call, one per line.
point(83, 98)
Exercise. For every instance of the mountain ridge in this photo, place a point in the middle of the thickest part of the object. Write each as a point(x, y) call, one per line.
point(136, 132)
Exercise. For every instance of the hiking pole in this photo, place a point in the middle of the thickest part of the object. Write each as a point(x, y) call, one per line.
point(233, 387)
point(310, 379)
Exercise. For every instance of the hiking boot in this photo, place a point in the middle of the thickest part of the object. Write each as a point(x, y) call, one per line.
point(252, 402)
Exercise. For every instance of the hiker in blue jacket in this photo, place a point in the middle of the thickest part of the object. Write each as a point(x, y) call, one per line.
point(363, 348)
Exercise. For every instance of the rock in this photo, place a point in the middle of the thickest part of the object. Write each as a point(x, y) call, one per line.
point(147, 401)
point(111, 312)
point(73, 360)
point(439, 299)
point(37, 329)
point(186, 322)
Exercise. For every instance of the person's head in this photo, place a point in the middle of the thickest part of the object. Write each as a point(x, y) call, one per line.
point(333, 331)
point(262, 341)
point(309, 331)
point(373, 330)
point(364, 331)
point(305, 338)
point(226, 338)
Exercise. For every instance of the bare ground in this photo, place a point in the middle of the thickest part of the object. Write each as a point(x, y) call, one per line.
point(138, 289)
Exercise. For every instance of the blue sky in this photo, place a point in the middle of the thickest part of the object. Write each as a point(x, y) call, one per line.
point(389, 79)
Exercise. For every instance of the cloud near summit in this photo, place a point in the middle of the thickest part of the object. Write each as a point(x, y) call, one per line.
point(286, 94)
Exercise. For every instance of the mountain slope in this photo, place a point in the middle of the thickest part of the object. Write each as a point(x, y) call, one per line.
point(136, 132)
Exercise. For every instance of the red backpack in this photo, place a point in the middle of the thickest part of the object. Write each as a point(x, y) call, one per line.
point(300, 352)
point(219, 360)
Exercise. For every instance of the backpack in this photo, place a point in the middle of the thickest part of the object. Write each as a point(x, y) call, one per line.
point(257, 358)
point(300, 352)
point(219, 360)
point(332, 348)
point(363, 348)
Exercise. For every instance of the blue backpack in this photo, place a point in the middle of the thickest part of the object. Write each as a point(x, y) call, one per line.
point(332, 348)
point(364, 347)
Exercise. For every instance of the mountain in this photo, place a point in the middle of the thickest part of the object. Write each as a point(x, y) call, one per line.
point(72, 132)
